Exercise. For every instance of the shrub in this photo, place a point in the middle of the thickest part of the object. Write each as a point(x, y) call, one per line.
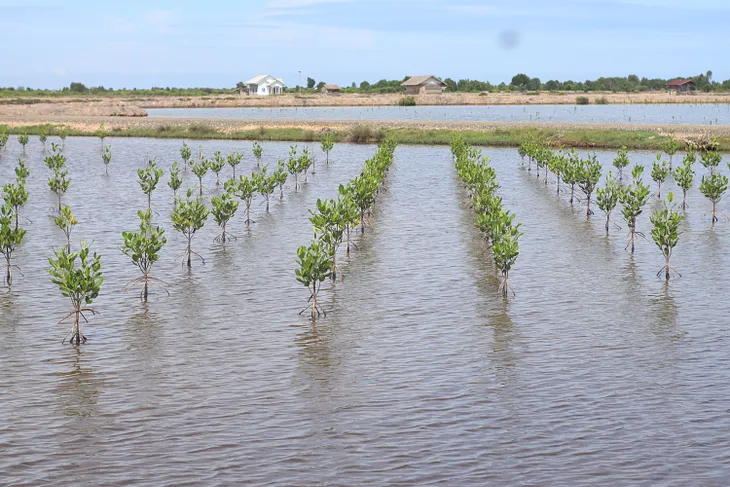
point(602, 101)
point(361, 134)
point(582, 100)
point(407, 101)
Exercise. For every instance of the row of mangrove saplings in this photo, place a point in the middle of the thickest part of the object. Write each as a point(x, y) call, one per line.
point(585, 174)
point(496, 224)
point(78, 274)
point(334, 220)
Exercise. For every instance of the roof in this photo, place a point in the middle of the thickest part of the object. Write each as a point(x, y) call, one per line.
point(679, 82)
point(419, 80)
point(261, 78)
point(332, 87)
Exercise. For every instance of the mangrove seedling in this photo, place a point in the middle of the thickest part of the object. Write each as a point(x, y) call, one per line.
point(589, 175)
point(56, 160)
point(293, 165)
point(281, 176)
point(66, 221)
point(234, 159)
point(710, 159)
point(713, 187)
point(175, 180)
point(350, 213)
point(106, 156)
point(684, 176)
point(148, 179)
point(3, 138)
point(245, 190)
point(329, 227)
point(189, 216)
point(621, 161)
point(21, 171)
point(185, 154)
point(43, 137)
point(633, 198)
point(265, 185)
point(608, 197)
point(328, 143)
point(505, 247)
point(200, 168)
point(659, 173)
point(80, 283)
point(665, 232)
point(23, 139)
point(258, 152)
point(216, 165)
point(143, 248)
point(572, 173)
point(62, 134)
point(671, 148)
point(16, 196)
point(59, 184)
point(10, 238)
point(314, 267)
point(223, 209)
point(101, 133)
point(304, 162)
point(557, 165)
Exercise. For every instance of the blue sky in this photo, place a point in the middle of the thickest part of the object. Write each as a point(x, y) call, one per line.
point(217, 43)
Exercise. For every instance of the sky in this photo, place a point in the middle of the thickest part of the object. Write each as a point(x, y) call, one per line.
point(132, 43)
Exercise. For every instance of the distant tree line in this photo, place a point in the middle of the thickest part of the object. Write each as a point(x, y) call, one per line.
point(520, 82)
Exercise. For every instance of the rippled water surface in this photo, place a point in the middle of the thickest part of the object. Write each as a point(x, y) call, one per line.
point(596, 374)
point(707, 114)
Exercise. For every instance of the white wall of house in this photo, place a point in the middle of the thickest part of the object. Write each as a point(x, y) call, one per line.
point(265, 87)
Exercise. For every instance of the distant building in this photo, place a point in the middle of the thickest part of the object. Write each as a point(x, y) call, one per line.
point(424, 85)
point(265, 85)
point(331, 89)
point(681, 86)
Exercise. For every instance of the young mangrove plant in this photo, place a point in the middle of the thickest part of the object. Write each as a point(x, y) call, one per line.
point(78, 276)
point(572, 172)
point(684, 176)
point(608, 197)
point(59, 184)
point(659, 173)
point(329, 227)
point(315, 265)
point(305, 162)
point(234, 159)
point(43, 136)
point(665, 232)
point(23, 139)
point(143, 248)
point(223, 209)
point(556, 164)
point(245, 190)
point(11, 237)
point(265, 185)
point(3, 137)
point(16, 196)
point(711, 160)
point(66, 221)
point(713, 187)
point(175, 180)
point(328, 143)
point(350, 213)
point(185, 154)
point(62, 134)
point(258, 153)
point(633, 198)
point(148, 179)
point(189, 216)
point(106, 157)
point(589, 174)
point(505, 248)
point(671, 148)
point(281, 176)
point(21, 171)
point(216, 165)
point(200, 168)
point(293, 165)
point(621, 161)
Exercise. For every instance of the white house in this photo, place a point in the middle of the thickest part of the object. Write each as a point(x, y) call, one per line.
point(265, 85)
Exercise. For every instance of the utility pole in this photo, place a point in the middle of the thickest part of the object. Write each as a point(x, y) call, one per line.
point(299, 81)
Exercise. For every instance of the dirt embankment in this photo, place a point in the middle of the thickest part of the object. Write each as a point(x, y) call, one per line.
point(134, 106)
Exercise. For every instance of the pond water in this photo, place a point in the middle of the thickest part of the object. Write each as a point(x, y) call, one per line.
point(707, 114)
point(595, 374)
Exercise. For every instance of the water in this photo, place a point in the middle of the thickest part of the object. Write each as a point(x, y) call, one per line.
point(707, 114)
point(596, 374)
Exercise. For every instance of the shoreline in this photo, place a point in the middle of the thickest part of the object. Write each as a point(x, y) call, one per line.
point(498, 134)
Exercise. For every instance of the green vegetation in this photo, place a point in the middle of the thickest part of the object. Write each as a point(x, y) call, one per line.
point(621, 161)
point(185, 154)
point(106, 157)
point(223, 209)
point(143, 248)
point(245, 190)
point(11, 236)
point(608, 197)
point(659, 173)
point(216, 165)
point(148, 179)
point(175, 180)
point(713, 187)
point(14, 194)
point(81, 284)
point(710, 159)
point(589, 173)
point(200, 168)
point(582, 100)
point(66, 221)
point(59, 183)
point(328, 143)
point(665, 232)
point(258, 152)
point(265, 185)
point(234, 159)
point(314, 267)
point(633, 198)
point(684, 176)
point(671, 148)
point(407, 101)
point(23, 139)
point(496, 224)
point(188, 216)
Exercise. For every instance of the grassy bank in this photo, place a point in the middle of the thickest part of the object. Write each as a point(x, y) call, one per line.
point(500, 137)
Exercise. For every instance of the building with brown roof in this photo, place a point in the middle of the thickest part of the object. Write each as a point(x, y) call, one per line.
point(423, 85)
point(681, 86)
point(330, 89)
